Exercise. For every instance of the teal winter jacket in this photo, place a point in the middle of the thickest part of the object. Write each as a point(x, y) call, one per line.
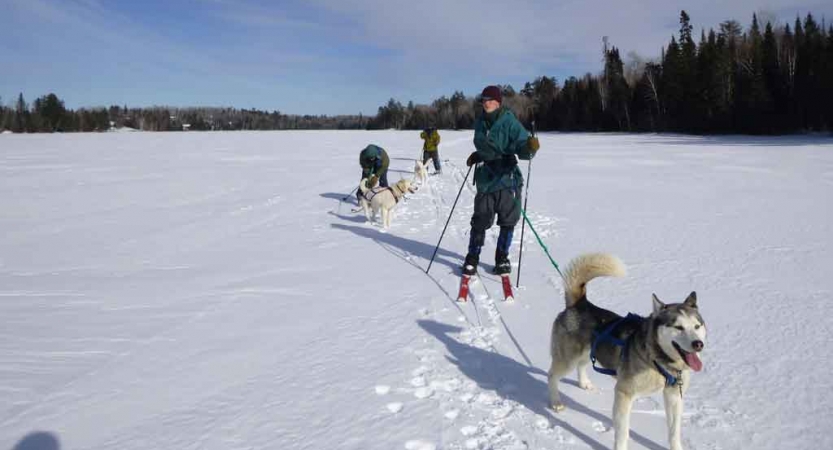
point(374, 161)
point(496, 136)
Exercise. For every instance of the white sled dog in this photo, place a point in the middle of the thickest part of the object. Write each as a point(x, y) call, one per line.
point(420, 172)
point(645, 354)
point(383, 199)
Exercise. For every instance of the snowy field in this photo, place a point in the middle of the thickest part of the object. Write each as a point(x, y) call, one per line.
point(210, 291)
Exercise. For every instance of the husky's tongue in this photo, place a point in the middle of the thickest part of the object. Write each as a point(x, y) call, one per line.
point(693, 361)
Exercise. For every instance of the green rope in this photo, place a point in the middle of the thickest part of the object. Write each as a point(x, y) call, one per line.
point(540, 242)
point(537, 237)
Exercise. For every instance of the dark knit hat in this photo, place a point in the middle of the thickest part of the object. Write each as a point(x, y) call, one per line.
point(492, 93)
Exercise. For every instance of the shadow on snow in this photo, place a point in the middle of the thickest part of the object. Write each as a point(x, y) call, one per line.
point(514, 381)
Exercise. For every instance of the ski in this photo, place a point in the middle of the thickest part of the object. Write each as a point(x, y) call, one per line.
point(508, 295)
point(463, 293)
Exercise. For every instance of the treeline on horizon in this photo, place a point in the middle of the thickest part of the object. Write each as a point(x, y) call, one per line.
point(768, 79)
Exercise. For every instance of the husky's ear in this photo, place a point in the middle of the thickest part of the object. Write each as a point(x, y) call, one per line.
point(691, 301)
point(658, 305)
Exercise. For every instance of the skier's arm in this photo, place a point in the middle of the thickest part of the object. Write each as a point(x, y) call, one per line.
point(519, 141)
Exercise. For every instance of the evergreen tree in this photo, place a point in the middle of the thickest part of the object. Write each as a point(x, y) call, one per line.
point(776, 86)
point(671, 89)
point(618, 91)
point(51, 111)
point(21, 115)
point(827, 76)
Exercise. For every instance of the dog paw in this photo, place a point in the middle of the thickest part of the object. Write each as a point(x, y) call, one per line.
point(558, 407)
point(587, 386)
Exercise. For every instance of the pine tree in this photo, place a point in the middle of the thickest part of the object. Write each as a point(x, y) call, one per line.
point(52, 111)
point(827, 76)
point(21, 115)
point(775, 83)
point(711, 107)
point(671, 89)
point(618, 91)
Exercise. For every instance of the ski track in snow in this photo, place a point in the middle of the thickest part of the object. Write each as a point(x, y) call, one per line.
point(479, 415)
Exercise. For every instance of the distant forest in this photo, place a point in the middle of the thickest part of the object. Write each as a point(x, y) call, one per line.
point(765, 79)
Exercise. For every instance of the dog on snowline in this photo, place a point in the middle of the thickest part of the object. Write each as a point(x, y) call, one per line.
point(645, 354)
point(383, 199)
point(420, 171)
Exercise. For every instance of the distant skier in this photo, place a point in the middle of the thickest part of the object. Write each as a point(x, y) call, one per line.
point(374, 162)
point(498, 137)
point(430, 148)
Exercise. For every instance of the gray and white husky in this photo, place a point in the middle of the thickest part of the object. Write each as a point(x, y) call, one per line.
point(646, 354)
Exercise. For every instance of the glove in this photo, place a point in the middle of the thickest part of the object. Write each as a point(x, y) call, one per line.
point(509, 160)
point(473, 159)
point(532, 144)
point(371, 183)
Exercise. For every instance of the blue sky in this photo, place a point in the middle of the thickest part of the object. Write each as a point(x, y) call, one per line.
point(327, 56)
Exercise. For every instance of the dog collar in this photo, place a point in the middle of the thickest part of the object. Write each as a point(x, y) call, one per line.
point(670, 380)
point(397, 194)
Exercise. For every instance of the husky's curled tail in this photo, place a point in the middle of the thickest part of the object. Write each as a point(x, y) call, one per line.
point(583, 269)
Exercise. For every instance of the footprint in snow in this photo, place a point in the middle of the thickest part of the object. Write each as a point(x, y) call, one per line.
point(469, 430)
point(452, 414)
point(501, 412)
point(419, 445)
point(599, 427)
point(423, 392)
point(394, 407)
point(542, 424)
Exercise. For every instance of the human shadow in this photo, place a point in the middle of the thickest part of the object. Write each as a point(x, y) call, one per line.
point(402, 244)
point(38, 440)
point(419, 249)
point(517, 382)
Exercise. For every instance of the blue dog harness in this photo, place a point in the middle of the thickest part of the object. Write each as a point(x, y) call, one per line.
point(607, 336)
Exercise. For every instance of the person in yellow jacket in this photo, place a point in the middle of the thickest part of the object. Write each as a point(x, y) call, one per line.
point(429, 148)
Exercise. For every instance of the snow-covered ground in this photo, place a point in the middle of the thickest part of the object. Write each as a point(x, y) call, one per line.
point(210, 291)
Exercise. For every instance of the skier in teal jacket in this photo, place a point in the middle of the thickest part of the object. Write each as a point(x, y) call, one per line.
point(499, 139)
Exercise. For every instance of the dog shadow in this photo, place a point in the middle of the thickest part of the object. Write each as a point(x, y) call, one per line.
point(514, 381)
point(355, 218)
point(416, 248)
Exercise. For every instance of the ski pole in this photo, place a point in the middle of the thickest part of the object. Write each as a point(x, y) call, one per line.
point(449, 219)
point(523, 225)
